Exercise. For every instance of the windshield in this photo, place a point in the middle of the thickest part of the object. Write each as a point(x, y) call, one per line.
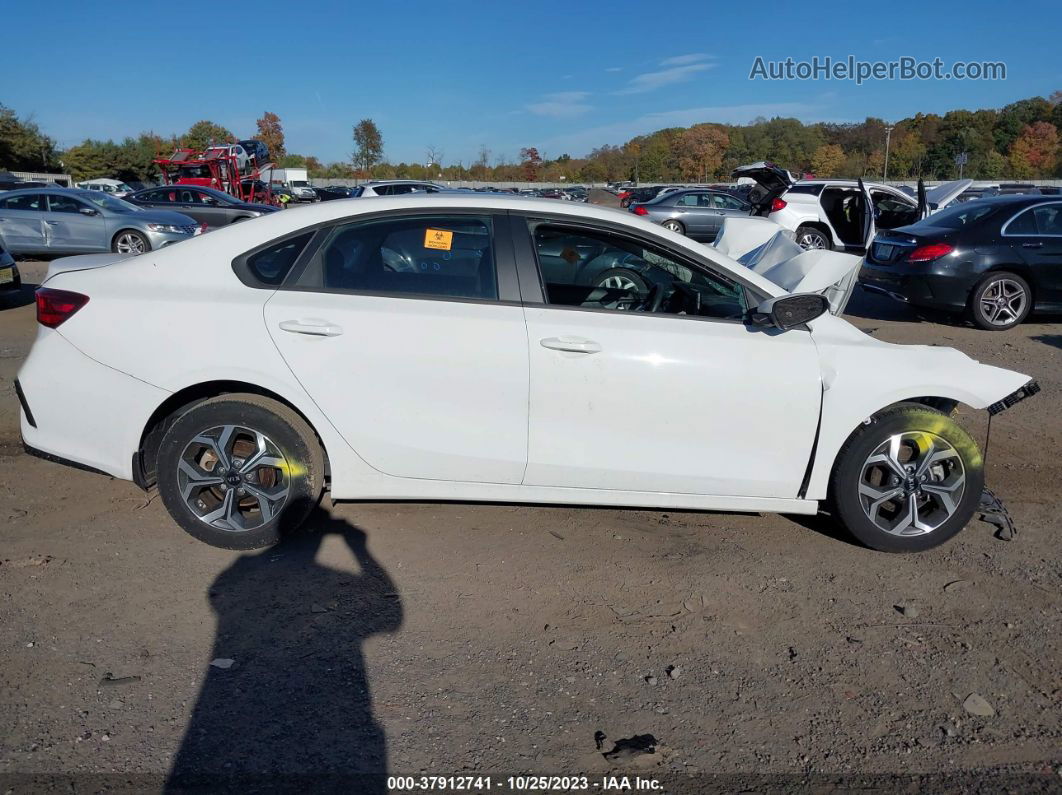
point(299, 183)
point(960, 216)
point(122, 187)
point(109, 202)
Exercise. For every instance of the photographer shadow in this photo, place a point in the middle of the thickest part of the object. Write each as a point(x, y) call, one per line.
point(293, 712)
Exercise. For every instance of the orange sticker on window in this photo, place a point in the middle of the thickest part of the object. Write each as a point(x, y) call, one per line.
point(439, 239)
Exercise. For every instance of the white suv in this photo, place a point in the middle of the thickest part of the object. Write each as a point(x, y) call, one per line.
point(830, 213)
point(398, 187)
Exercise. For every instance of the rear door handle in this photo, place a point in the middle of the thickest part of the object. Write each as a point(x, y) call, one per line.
point(1032, 245)
point(312, 327)
point(570, 344)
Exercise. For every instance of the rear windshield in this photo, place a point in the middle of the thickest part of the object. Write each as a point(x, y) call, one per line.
point(960, 216)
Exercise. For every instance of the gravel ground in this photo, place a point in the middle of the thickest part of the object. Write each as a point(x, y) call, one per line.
point(760, 652)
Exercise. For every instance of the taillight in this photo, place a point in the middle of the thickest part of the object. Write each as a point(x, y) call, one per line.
point(931, 252)
point(623, 195)
point(639, 210)
point(54, 307)
point(778, 204)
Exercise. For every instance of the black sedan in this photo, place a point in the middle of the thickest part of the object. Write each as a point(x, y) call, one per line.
point(993, 260)
point(329, 192)
point(206, 205)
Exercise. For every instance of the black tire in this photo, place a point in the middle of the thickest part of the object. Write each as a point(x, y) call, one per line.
point(132, 233)
point(807, 234)
point(848, 475)
point(285, 429)
point(622, 275)
point(999, 281)
point(674, 226)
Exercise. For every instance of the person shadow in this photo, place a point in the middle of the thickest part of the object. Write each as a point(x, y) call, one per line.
point(293, 711)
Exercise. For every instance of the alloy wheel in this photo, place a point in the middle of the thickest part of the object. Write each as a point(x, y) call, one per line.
point(1003, 302)
point(128, 243)
point(912, 483)
point(233, 478)
point(811, 240)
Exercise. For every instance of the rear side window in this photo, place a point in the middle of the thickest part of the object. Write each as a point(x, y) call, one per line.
point(30, 201)
point(443, 256)
point(269, 266)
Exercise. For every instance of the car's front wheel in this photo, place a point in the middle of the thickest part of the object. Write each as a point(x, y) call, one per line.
point(907, 480)
point(129, 241)
point(1000, 301)
point(239, 471)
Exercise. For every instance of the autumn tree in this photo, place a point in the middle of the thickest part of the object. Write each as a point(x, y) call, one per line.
point(701, 150)
point(530, 161)
point(1035, 150)
point(23, 147)
point(271, 133)
point(827, 160)
point(204, 133)
point(368, 145)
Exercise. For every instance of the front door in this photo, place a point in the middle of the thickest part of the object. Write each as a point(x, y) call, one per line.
point(1037, 236)
point(665, 390)
point(70, 229)
point(396, 330)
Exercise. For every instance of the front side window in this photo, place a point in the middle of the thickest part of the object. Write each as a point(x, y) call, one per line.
point(444, 256)
point(595, 269)
point(64, 204)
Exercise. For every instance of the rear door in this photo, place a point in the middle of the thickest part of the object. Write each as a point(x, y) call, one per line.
point(407, 332)
point(22, 223)
point(68, 229)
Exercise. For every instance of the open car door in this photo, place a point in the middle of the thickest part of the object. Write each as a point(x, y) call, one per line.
point(866, 207)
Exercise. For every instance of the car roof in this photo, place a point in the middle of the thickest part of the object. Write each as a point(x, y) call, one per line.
point(233, 240)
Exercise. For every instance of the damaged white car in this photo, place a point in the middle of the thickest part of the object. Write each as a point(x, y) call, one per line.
point(839, 214)
point(491, 349)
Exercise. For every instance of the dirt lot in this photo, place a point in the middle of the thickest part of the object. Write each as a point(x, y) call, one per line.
point(760, 652)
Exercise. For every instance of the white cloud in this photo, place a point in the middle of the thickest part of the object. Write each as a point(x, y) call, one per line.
point(563, 104)
point(682, 60)
point(614, 69)
point(650, 81)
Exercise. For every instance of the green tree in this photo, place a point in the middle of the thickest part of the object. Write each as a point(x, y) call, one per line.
point(23, 147)
point(368, 145)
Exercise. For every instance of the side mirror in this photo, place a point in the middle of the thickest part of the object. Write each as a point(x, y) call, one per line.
point(88, 211)
point(790, 311)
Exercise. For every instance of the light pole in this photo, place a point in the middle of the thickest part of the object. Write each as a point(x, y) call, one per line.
point(888, 137)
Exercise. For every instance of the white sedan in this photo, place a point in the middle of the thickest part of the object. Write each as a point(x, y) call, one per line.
point(485, 348)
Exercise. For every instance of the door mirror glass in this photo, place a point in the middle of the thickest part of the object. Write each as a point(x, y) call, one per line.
point(88, 211)
point(790, 311)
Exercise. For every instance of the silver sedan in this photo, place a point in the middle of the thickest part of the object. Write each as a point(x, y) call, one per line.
point(66, 221)
point(698, 213)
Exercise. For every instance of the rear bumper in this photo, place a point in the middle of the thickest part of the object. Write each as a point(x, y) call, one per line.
point(79, 411)
point(947, 292)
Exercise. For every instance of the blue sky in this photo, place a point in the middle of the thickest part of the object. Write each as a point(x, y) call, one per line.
point(562, 76)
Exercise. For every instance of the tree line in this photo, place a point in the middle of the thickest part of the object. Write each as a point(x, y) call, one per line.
point(1018, 141)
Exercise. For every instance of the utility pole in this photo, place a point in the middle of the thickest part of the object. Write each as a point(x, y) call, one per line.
point(888, 138)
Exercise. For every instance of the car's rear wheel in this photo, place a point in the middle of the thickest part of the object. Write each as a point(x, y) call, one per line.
point(1000, 301)
point(907, 480)
point(129, 241)
point(239, 471)
point(674, 226)
point(808, 238)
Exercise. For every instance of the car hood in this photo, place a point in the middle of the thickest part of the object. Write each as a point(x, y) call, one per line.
point(82, 262)
point(942, 195)
point(766, 248)
point(258, 208)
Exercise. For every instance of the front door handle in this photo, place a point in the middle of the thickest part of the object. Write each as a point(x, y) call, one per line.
point(1032, 245)
point(312, 327)
point(570, 344)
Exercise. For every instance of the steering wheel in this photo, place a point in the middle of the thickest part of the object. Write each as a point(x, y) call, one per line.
point(654, 299)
